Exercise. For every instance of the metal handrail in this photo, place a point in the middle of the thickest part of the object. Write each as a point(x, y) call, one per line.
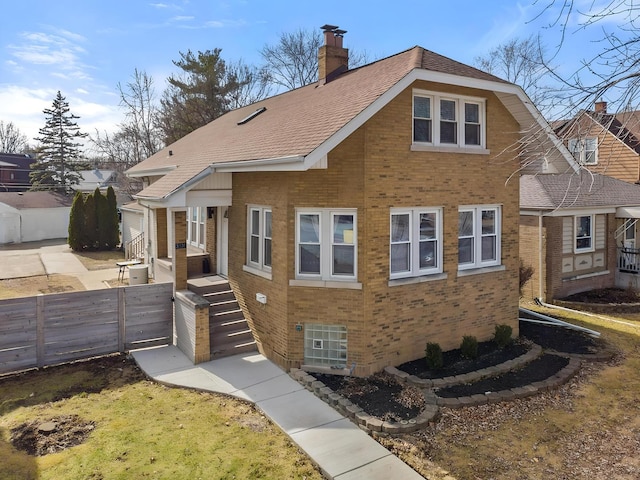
point(134, 248)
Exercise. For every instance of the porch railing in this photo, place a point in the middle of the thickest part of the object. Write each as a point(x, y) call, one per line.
point(134, 248)
point(629, 259)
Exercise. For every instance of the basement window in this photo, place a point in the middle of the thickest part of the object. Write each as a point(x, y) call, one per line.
point(325, 345)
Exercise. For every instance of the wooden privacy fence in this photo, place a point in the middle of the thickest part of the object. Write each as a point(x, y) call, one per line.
point(57, 328)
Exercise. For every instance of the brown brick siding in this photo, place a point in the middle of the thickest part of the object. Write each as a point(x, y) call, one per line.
point(374, 170)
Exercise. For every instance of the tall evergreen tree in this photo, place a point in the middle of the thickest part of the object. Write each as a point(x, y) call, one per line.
point(91, 222)
point(102, 218)
point(114, 221)
point(58, 162)
point(77, 237)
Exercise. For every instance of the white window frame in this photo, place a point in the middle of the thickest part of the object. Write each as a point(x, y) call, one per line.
point(414, 241)
point(326, 242)
point(582, 148)
point(460, 119)
point(477, 236)
point(590, 236)
point(196, 226)
point(262, 236)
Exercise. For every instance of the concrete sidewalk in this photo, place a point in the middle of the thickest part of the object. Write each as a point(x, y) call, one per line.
point(334, 443)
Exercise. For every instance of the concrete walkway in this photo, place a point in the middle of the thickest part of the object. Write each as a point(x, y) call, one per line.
point(50, 257)
point(334, 443)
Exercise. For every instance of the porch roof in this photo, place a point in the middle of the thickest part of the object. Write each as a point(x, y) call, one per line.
point(574, 191)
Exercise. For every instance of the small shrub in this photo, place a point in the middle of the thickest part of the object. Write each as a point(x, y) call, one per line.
point(502, 335)
point(433, 356)
point(469, 346)
point(526, 272)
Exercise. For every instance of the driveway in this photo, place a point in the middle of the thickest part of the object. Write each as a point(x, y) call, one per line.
point(38, 258)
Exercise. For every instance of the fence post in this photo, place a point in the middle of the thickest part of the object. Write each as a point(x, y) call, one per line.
point(40, 330)
point(121, 319)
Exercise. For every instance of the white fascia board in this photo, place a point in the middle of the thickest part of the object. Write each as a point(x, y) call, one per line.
point(569, 212)
point(532, 213)
point(281, 164)
point(151, 172)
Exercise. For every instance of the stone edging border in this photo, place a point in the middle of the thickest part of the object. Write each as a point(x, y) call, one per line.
point(371, 424)
point(532, 354)
point(361, 418)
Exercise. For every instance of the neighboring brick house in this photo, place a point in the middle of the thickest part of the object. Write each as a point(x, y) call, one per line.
point(577, 231)
point(359, 217)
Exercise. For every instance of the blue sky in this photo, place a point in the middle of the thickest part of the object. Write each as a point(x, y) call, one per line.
point(85, 47)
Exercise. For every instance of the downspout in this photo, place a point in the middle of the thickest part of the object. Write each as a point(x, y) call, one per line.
point(555, 321)
point(540, 262)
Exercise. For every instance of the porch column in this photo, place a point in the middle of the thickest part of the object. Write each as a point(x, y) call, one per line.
point(179, 250)
point(162, 250)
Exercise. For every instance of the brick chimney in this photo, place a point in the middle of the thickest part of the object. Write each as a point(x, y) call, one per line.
point(601, 107)
point(333, 58)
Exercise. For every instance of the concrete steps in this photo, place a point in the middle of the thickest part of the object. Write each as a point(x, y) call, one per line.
point(229, 332)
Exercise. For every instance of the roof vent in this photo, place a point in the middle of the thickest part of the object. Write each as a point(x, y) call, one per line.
point(252, 115)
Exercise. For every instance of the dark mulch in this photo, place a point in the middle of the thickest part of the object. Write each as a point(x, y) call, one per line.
point(540, 369)
point(605, 295)
point(560, 339)
point(455, 364)
point(379, 395)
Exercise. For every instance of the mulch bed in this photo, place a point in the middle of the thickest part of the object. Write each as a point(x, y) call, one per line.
point(605, 295)
point(560, 339)
point(539, 369)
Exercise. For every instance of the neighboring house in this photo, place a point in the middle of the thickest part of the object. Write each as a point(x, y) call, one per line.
point(578, 233)
point(32, 216)
point(92, 179)
point(14, 172)
point(359, 217)
point(605, 143)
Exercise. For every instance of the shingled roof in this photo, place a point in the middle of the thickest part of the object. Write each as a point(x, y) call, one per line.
point(550, 192)
point(22, 200)
point(294, 125)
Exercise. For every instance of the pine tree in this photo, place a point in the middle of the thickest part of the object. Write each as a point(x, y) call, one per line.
point(77, 240)
point(58, 162)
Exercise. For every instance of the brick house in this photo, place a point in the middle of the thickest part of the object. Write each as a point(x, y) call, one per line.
point(577, 232)
point(356, 218)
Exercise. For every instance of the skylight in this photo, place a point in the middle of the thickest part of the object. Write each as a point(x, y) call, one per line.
point(252, 115)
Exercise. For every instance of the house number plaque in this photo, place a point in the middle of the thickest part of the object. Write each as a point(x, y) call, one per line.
point(180, 245)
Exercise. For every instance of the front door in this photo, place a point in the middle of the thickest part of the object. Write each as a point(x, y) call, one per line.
point(223, 242)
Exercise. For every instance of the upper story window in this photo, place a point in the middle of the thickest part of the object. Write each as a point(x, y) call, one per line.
point(584, 150)
point(326, 244)
point(259, 238)
point(584, 233)
point(416, 242)
point(460, 121)
point(479, 233)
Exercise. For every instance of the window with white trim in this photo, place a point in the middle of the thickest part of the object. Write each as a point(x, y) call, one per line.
point(326, 244)
point(584, 150)
point(461, 120)
point(583, 233)
point(479, 232)
point(195, 226)
point(259, 237)
point(415, 242)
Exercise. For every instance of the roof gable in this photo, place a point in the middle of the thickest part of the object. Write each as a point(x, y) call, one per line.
point(296, 129)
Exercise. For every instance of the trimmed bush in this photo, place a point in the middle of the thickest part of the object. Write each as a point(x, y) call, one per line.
point(502, 335)
point(433, 356)
point(526, 272)
point(469, 346)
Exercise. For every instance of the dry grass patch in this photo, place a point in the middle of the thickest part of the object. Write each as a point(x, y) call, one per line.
point(587, 429)
point(140, 429)
point(29, 286)
point(100, 260)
